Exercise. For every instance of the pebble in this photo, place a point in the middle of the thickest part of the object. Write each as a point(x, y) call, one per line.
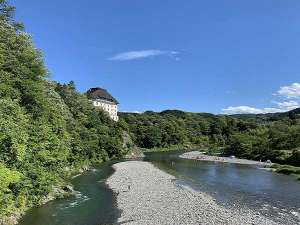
point(154, 199)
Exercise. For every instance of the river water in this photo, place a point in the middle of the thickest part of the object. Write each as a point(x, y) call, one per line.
point(94, 204)
point(273, 195)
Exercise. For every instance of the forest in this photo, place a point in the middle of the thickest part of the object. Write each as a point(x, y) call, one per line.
point(274, 137)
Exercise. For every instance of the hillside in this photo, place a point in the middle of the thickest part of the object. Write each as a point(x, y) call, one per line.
point(269, 117)
point(261, 137)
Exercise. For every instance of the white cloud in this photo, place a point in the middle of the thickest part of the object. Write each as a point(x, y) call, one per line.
point(139, 112)
point(248, 110)
point(281, 107)
point(131, 55)
point(287, 92)
point(291, 91)
point(288, 105)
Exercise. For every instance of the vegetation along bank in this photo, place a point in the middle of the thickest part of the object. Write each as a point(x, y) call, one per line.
point(274, 137)
point(47, 130)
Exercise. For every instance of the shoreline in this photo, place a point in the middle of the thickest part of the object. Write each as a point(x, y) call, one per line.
point(196, 155)
point(147, 195)
point(57, 192)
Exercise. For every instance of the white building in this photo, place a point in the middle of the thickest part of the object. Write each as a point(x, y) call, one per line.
point(101, 98)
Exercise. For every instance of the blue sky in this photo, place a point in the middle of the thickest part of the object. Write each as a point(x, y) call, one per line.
point(218, 56)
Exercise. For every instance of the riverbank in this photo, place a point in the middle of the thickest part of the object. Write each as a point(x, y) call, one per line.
point(200, 156)
point(287, 170)
point(64, 190)
point(147, 195)
point(59, 192)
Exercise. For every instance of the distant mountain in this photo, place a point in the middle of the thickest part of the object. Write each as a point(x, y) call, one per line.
point(269, 117)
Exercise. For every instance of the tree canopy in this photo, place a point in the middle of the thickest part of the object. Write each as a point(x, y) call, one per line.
point(275, 138)
point(45, 127)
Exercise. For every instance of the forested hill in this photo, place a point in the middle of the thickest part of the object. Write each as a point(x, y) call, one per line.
point(47, 130)
point(270, 117)
point(273, 136)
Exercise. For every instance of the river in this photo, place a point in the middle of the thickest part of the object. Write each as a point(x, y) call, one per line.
point(273, 195)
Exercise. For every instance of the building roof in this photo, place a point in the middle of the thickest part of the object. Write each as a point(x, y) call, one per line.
point(100, 93)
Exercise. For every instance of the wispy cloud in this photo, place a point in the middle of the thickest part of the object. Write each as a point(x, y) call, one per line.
point(287, 92)
point(131, 55)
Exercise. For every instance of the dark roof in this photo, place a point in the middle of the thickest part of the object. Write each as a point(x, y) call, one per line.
point(100, 93)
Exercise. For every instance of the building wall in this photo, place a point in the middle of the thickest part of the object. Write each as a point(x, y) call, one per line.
point(109, 107)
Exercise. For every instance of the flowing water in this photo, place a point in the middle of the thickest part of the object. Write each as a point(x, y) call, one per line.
point(273, 195)
point(94, 204)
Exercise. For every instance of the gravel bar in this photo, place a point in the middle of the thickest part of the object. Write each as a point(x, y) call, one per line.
point(200, 156)
point(147, 195)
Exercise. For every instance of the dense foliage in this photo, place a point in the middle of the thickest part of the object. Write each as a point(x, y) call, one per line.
point(46, 129)
point(277, 140)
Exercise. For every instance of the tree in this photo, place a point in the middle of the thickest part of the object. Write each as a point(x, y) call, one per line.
point(13, 132)
point(7, 177)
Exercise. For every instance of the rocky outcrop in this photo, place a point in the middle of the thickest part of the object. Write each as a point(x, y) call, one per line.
point(132, 150)
point(84, 168)
point(58, 192)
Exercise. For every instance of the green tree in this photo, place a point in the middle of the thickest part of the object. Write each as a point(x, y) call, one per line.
point(13, 132)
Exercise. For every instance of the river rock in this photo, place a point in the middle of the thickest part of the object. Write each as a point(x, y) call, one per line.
point(153, 199)
point(68, 188)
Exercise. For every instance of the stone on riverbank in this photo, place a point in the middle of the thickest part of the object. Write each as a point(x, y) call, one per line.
point(147, 195)
point(200, 156)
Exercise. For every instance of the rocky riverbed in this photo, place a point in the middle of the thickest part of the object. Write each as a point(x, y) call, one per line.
point(147, 195)
point(200, 156)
